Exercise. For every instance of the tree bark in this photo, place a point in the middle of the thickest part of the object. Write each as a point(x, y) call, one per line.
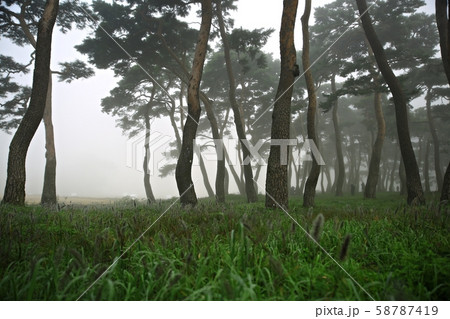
point(337, 133)
point(413, 184)
point(237, 110)
point(16, 176)
point(147, 185)
point(48, 196)
point(220, 173)
point(445, 194)
point(394, 169)
point(444, 34)
point(375, 158)
point(426, 167)
point(184, 165)
point(311, 182)
point(237, 180)
point(437, 158)
point(402, 175)
point(277, 188)
point(184, 76)
point(206, 182)
point(444, 41)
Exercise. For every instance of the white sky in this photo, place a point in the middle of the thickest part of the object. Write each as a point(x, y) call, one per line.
point(91, 151)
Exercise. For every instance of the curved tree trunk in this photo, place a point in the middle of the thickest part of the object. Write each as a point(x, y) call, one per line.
point(48, 196)
point(375, 158)
point(49, 189)
point(237, 110)
point(437, 158)
point(445, 195)
point(277, 188)
point(444, 34)
point(16, 176)
point(147, 185)
point(310, 187)
point(220, 173)
point(184, 164)
point(402, 175)
point(394, 169)
point(337, 133)
point(444, 41)
point(184, 76)
point(413, 184)
point(426, 167)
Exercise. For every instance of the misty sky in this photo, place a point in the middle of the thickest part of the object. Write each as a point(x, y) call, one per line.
point(91, 150)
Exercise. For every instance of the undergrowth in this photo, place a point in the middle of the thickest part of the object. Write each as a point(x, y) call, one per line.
point(234, 251)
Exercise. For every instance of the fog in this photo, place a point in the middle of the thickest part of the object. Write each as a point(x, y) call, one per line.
point(91, 150)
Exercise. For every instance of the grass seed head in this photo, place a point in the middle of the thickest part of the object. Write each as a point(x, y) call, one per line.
point(317, 227)
point(344, 248)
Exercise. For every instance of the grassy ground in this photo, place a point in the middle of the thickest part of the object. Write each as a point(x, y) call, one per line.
point(234, 251)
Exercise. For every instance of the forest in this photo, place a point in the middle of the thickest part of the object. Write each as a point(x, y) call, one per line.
point(326, 169)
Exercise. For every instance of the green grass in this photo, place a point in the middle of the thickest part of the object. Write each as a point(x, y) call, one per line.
point(235, 251)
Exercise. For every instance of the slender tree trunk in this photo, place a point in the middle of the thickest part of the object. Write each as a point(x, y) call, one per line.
point(15, 182)
point(437, 158)
point(402, 175)
point(226, 183)
point(329, 182)
point(277, 188)
point(426, 168)
point(413, 184)
point(445, 194)
point(48, 196)
point(444, 41)
point(184, 164)
point(305, 177)
point(311, 182)
point(237, 180)
point(394, 169)
point(444, 34)
point(337, 133)
point(375, 158)
point(220, 172)
point(147, 185)
point(237, 110)
point(206, 182)
point(258, 171)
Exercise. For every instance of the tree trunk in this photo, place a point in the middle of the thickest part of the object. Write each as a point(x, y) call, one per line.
point(444, 34)
point(374, 166)
point(237, 180)
point(444, 41)
point(258, 171)
point(48, 196)
point(337, 133)
point(305, 177)
point(426, 168)
point(16, 176)
point(394, 169)
point(237, 110)
point(402, 175)
point(220, 173)
point(437, 158)
point(184, 164)
point(445, 195)
point(277, 188)
point(413, 184)
point(147, 185)
point(206, 182)
point(329, 183)
point(311, 182)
